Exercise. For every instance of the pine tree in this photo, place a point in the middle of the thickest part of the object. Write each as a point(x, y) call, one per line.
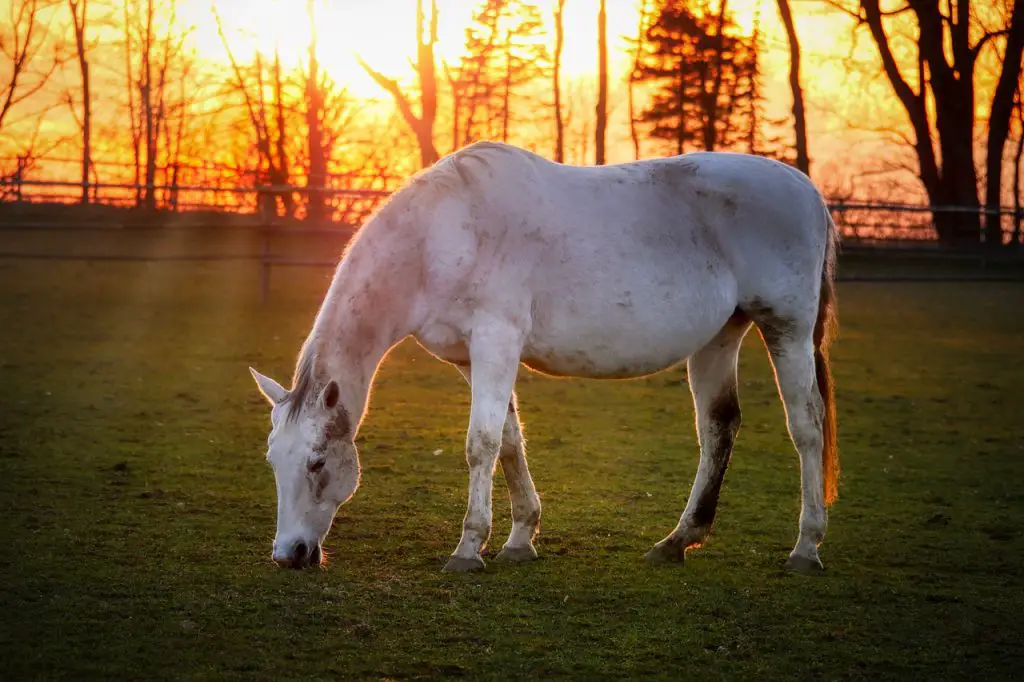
point(705, 73)
point(506, 50)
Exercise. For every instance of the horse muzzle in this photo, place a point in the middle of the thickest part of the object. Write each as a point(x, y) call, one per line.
point(299, 555)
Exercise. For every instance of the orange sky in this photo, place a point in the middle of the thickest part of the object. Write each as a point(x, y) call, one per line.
point(381, 31)
point(845, 110)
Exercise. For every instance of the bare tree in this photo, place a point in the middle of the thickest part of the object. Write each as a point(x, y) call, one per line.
point(556, 80)
point(601, 128)
point(803, 161)
point(79, 21)
point(317, 177)
point(999, 123)
point(712, 98)
point(641, 31)
point(704, 76)
point(944, 66)
point(272, 157)
point(422, 125)
point(133, 120)
point(22, 37)
point(505, 55)
point(154, 57)
point(1019, 107)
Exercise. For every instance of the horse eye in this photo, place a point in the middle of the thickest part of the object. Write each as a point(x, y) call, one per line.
point(317, 466)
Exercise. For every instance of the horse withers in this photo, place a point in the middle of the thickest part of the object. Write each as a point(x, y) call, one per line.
point(495, 257)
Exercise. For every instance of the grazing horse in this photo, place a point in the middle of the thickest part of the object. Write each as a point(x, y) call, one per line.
point(495, 257)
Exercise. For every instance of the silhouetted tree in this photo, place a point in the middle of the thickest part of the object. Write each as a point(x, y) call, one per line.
point(317, 176)
point(422, 125)
point(939, 96)
point(803, 161)
point(556, 80)
point(638, 51)
point(79, 22)
point(601, 127)
point(505, 52)
point(268, 125)
point(154, 59)
point(705, 75)
point(999, 122)
point(23, 37)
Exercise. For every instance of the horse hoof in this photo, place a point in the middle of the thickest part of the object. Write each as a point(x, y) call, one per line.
point(516, 554)
point(666, 552)
point(458, 564)
point(804, 564)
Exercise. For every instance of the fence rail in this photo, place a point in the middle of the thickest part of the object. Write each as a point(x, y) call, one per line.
point(888, 231)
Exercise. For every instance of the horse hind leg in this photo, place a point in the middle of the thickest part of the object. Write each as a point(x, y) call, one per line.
point(711, 373)
point(791, 345)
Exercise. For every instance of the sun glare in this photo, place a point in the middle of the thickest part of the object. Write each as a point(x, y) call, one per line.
point(382, 32)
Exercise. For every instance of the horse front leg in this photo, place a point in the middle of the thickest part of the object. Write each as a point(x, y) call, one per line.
point(521, 491)
point(494, 360)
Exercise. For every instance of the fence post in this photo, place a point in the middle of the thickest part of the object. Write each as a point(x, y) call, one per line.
point(19, 178)
point(267, 207)
point(265, 266)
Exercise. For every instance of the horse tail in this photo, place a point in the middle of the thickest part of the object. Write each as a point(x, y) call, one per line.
point(825, 328)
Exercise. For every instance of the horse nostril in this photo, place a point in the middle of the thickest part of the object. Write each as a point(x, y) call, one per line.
point(299, 557)
point(315, 556)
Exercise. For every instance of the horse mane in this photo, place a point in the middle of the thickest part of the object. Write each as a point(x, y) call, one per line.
point(304, 383)
point(464, 165)
point(453, 174)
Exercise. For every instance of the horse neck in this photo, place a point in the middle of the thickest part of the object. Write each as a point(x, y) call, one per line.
point(366, 311)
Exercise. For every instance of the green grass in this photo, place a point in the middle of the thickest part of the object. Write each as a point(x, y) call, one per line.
point(137, 511)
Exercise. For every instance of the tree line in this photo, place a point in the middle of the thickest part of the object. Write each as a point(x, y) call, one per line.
point(694, 82)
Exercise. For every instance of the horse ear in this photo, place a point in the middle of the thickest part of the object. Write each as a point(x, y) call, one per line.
point(271, 390)
point(331, 395)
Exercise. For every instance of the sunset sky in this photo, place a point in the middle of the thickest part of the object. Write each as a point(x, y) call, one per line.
point(850, 105)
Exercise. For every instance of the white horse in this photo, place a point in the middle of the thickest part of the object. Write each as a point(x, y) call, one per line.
point(496, 257)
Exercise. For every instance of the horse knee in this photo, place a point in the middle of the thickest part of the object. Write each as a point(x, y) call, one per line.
point(481, 448)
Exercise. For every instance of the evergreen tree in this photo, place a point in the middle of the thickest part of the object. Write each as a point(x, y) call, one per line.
point(506, 51)
point(705, 76)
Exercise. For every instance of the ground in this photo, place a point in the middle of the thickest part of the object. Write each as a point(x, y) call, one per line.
point(138, 510)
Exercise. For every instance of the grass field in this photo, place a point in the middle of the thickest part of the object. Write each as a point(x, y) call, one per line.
point(138, 511)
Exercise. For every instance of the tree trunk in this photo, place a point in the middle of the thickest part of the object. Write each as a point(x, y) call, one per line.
point(423, 125)
point(557, 80)
point(136, 127)
point(1016, 175)
point(428, 89)
point(634, 131)
point(954, 182)
point(803, 161)
point(79, 12)
point(711, 123)
point(506, 95)
point(279, 166)
point(602, 83)
point(149, 194)
point(314, 134)
point(999, 124)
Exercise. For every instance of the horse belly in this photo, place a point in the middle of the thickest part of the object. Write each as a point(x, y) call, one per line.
point(622, 338)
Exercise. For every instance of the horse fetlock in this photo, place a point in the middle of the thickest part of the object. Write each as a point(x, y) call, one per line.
point(692, 536)
point(812, 530)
